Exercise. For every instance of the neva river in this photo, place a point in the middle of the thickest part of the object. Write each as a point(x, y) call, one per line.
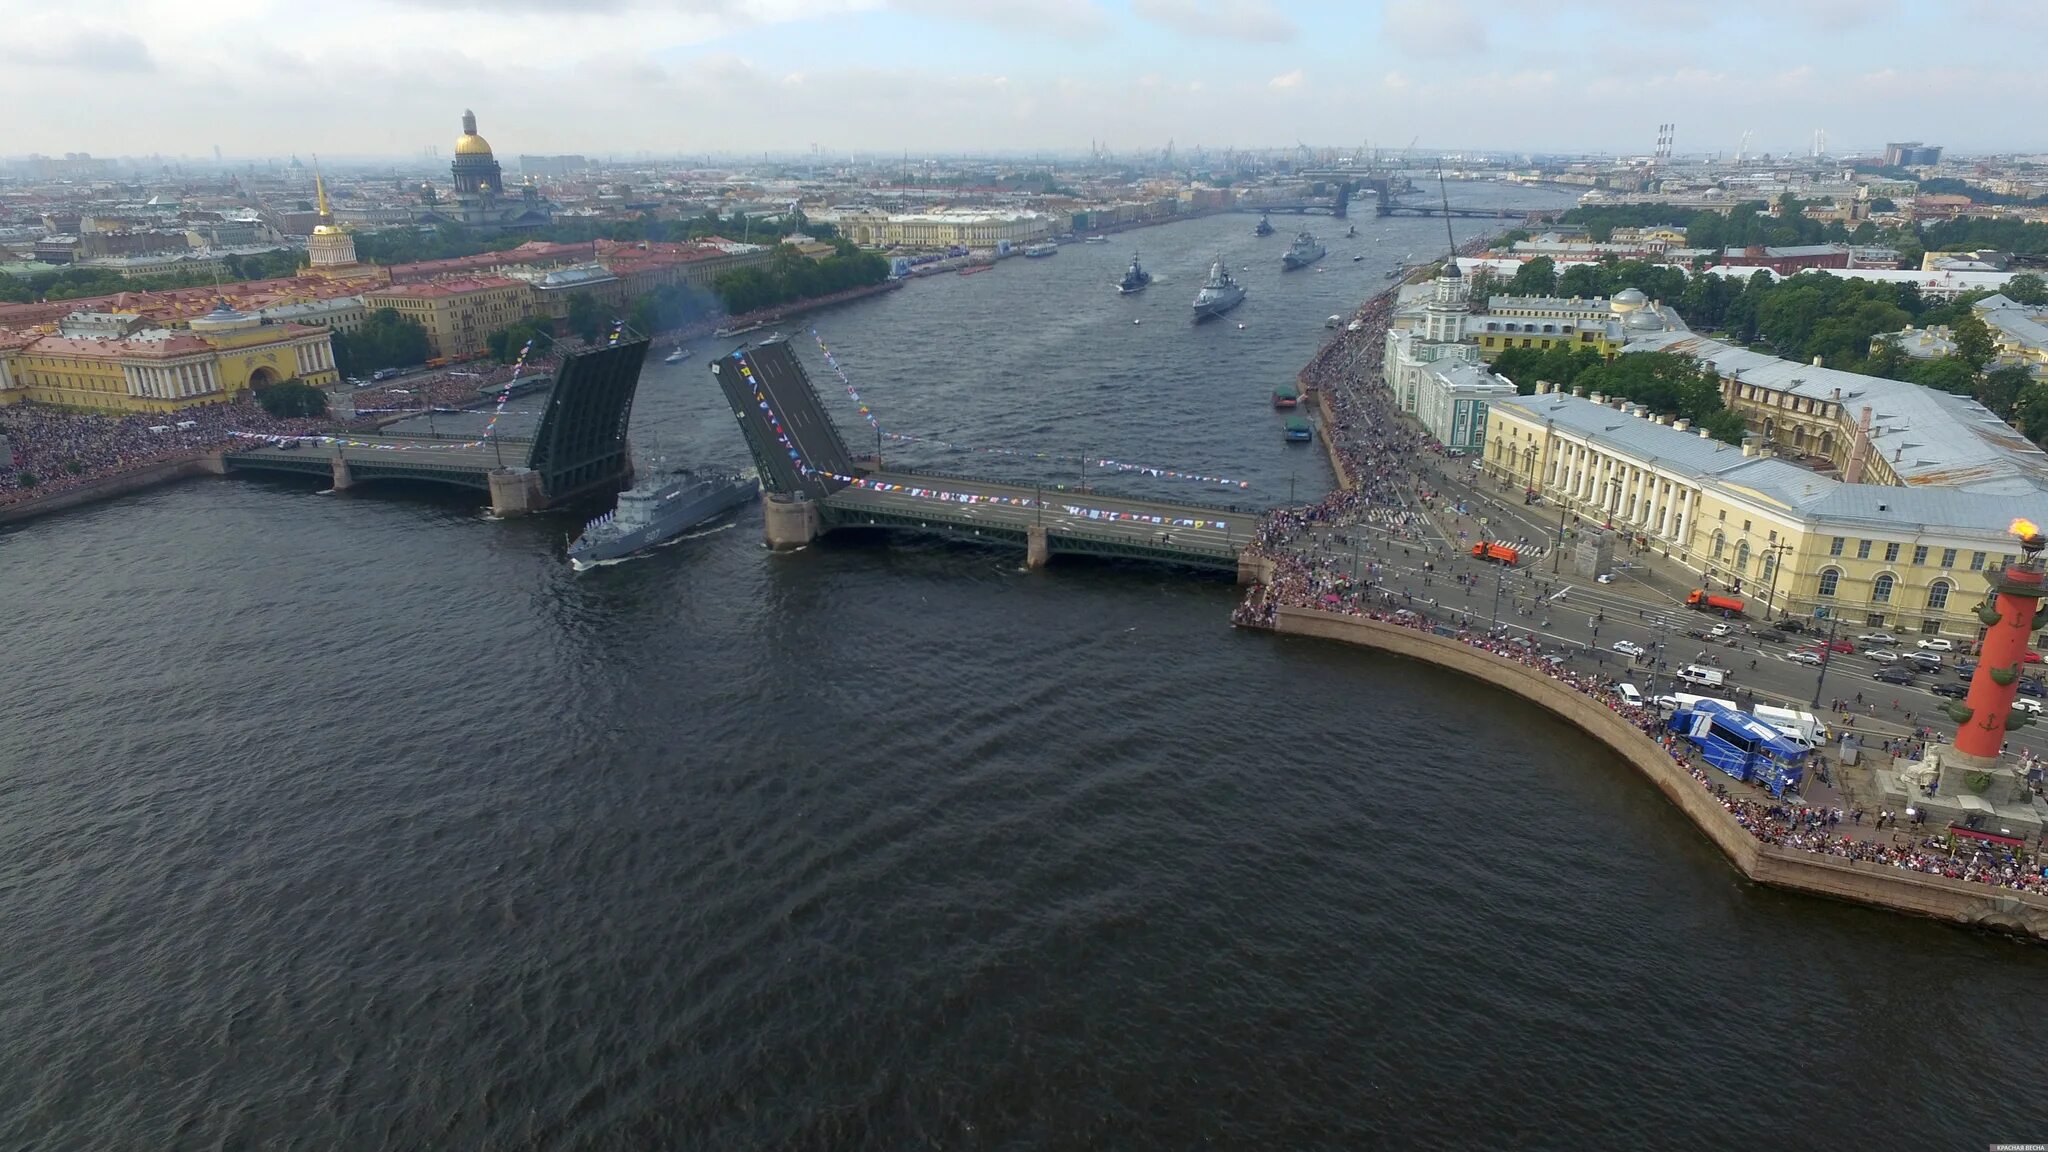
point(361, 822)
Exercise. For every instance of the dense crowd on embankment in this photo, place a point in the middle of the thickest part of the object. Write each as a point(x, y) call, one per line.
point(1388, 463)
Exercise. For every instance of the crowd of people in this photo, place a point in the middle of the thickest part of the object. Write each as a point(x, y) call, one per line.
point(52, 450)
point(1389, 475)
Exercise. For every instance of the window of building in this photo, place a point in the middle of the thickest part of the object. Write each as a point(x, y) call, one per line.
point(1720, 543)
point(1830, 579)
point(1875, 619)
point(1937, 596)
point(1948, 557)
point(1722, 515)
point(1881, 589)
point(1891, 553)
point(1835, 549)
point(1745, 525)
point(1976, 561)
point(1919, 554)
point(1742, 558)
point(1863, 549)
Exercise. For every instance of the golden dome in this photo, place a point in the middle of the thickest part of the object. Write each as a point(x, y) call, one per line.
point(471, 144)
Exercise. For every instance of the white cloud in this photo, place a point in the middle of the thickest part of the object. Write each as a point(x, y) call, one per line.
point(1241, 20)
point(1433, 27)
point(1288, 80)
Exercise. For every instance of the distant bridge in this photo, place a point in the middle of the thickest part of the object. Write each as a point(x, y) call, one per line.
point(814, 485)
point(580, 445)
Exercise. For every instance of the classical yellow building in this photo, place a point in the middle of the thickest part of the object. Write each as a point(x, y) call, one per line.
point(459, 315)
point(1543, 322)
point(98, 364)
point(942, 228)
point(1904, 557)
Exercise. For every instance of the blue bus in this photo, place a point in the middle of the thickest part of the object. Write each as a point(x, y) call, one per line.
point(1742, 746)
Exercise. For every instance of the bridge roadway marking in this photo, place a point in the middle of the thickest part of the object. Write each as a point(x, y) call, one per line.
point(481, 458)
point(1221, 541)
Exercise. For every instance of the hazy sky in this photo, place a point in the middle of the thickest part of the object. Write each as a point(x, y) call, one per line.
point(608, 77)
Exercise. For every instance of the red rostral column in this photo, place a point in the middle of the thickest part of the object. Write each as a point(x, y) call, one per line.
point(2010, 619)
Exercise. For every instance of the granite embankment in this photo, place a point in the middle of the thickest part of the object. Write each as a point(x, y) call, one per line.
point(1958, 901)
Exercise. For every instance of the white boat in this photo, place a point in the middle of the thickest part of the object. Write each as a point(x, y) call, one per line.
point(728, 333)
point(677, 356)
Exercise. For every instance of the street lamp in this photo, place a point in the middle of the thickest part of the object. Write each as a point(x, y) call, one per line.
point(1826, 650)
point(1776, 552)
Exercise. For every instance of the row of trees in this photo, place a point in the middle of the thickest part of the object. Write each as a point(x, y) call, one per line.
point(386, 340)
point(445, 241)
point(790, 276)
point(70, 282)
point(293, 397)
point(1661, 381)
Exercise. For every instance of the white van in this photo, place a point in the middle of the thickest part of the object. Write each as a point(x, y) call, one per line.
point(1804, 725)
point(1630, 695)
point(1702, 675)
point(1677, 700)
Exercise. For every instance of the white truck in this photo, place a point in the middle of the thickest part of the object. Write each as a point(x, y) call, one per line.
point(1702, 676)
point(1802, 726)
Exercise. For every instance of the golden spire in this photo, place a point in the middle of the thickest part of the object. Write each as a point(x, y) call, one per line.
point(320, 186)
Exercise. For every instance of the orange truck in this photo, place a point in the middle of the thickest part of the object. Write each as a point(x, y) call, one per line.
point(1705, 603)
point(1487, 550)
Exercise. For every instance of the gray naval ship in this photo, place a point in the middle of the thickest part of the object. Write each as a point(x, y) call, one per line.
point(1219, 295)
point(666, 504)
point(1305, 251)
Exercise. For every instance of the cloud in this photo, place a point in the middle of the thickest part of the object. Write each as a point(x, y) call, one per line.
point(1433, 27)
point(1238, 20)
point(1068, 19)
point(86, 52)
point(1287, 80)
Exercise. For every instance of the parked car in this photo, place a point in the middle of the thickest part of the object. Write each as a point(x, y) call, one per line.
point(1627, 648)
point(1925, 659)
point(1936, 644)
point(1631, 695)
point(1882, 655)
point(1810, 659)
point(1952, 691)
point(1899, 674)
point(2031, 657)
point(2027, 704)
point(2028, 686)
point(1877, 638)
point(1966, 667)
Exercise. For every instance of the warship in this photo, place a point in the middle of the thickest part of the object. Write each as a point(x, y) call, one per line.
point(661, 507)
point(1305, 251)
point(1219, 295)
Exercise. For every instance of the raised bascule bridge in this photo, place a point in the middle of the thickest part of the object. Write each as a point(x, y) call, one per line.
point(578, 447)
point(814, 484)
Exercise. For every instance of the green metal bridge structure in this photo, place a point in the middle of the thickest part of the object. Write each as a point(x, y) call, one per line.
point(815, 485)
point(578, 447)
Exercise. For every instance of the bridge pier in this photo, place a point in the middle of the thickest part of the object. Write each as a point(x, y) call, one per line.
point(515, 492)
point(343, 481)
point(789, 521)
point(1253, 568)
point(1037, 547)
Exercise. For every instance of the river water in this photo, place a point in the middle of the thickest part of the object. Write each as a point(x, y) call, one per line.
point(360, 821)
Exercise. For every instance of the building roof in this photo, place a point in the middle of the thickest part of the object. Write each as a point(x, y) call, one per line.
point(1930, 508)
point(438, 289)
point(1925, 436)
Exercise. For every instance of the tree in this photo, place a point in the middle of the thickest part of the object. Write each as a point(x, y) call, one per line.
point(2027, 288)
point(587, 318)
point(385, 340)
point(1950, 374)
point(1537, 277)
point(293, 397)
point(1882, 204)
point(2001, 388)
point(1973, 342)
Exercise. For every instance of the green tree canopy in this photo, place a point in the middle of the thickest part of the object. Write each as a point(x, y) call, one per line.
point(293, 397)
point(385, 340)
point(2026, 288)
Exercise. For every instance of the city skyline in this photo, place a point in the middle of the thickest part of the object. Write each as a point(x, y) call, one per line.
point(381, 78)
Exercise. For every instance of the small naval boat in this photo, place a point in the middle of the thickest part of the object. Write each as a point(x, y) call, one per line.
point(1094, 239)
point(1219, 295)
point(1299, 431)
point(1036, 251)
point(1286, 396)
point(1351, 233)
point(1305, 251)
point(1265, 227)
point(728, 333)
point(677, 356)
point(1135, 279)
point(664, 505)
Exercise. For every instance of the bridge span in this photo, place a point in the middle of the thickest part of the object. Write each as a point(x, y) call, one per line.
point(580, 445)
point(815, 485)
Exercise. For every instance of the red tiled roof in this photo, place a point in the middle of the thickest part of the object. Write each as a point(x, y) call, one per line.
point(457, 287)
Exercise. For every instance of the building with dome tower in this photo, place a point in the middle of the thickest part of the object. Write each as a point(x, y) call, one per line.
point(329, 250)
point(481, 200)
point(1434, 372)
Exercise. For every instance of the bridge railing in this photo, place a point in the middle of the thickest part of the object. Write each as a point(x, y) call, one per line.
point(1068, 489)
